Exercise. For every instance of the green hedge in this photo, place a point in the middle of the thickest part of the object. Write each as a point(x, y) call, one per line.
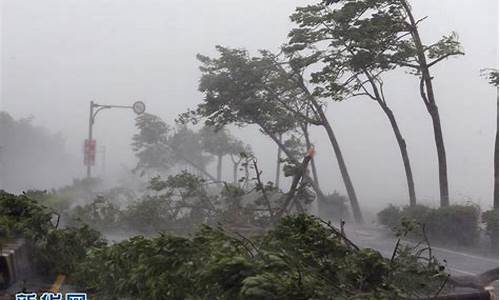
point(333, 207)
point(490, 219)
point(455, 224)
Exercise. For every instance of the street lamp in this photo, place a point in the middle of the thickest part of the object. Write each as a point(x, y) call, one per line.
point(138, 107)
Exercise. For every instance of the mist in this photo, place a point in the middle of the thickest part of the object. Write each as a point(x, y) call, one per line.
point(59, 55)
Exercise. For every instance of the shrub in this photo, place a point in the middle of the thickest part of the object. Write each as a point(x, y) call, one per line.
point(333, 206)
point(490, 219)
point(52, 250)
point(61, 250)
point(390, 216)
point(455, 224)
point(299, 259)
point(21, 216)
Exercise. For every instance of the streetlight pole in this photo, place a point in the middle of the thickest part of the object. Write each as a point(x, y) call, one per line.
point(138, 107)
point(91, 123)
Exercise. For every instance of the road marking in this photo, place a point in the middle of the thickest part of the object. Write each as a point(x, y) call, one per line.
point(466, 255)
point(491, 260)
point(461, 271)
point(56, 286)
point(389, 254)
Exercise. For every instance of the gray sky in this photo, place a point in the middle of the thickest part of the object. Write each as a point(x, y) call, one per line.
point(57, 55)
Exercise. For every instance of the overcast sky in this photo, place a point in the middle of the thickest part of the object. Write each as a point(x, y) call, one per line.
point(57, 55)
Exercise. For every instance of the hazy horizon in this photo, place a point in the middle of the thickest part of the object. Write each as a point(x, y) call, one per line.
point(57, 55)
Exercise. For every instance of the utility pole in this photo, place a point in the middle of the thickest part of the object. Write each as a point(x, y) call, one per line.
point(88, 161)
point(90, 145)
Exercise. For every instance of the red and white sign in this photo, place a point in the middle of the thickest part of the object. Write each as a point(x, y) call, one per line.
point(89, 153)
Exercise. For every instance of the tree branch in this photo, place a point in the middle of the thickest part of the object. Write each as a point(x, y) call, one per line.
point(444, 57)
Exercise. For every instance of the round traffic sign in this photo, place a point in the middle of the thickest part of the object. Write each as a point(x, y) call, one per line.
point(139, 107)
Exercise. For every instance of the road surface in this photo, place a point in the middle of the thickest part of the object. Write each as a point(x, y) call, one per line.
point(457, 262)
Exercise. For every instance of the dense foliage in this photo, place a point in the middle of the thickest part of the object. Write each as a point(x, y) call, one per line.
point(179, 203)
point(490, 219)
point(52, 250)
point(299, 259)
point(456, 224)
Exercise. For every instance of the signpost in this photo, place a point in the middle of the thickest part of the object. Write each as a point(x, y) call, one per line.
point(90, 144)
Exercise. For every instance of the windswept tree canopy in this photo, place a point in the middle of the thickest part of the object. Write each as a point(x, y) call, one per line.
point(220, 142)
point(150, 144)
point(236, 92)
point(350, 37)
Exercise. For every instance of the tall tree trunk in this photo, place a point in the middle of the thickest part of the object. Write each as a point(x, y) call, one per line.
point(356, 210)
point(404, 153)
point(441, 153)
point(219, 167)
point(379, 97)
point(321, 195)
point(427, 94)
point(495, 188)
point(235, 172)
point(278, 164)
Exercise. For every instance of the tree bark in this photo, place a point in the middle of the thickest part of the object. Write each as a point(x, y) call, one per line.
point(427, 94)
point(278, 164)
point(404, 153)
point(219, 167)
point(321, 195)
point(356, 210)
point(235, 173)
point(379, 97)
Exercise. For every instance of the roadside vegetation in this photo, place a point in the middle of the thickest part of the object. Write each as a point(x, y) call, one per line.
point(185, 231)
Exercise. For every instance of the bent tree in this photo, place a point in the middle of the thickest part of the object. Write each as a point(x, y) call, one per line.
point(350, 60)
point(492, 76)
point(281, 88)
point(233, 94)
point(286, 85)
point(395, 29)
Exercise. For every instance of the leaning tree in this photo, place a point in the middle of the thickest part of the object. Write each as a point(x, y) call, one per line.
point(349, 60)
point(492, 76)
point(284, 84)
point(255, 90)
point(390, 31)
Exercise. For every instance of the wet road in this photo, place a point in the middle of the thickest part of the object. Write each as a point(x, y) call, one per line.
point(457, 262)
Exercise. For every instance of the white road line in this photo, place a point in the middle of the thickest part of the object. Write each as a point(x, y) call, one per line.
point(461, 271)
point(466, 255)
point(389, 254)
point(492, 260)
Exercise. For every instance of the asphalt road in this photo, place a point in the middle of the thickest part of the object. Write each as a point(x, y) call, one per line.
point(457, 262)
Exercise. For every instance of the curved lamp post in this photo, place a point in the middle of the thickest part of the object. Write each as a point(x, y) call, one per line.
point(138, 107)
